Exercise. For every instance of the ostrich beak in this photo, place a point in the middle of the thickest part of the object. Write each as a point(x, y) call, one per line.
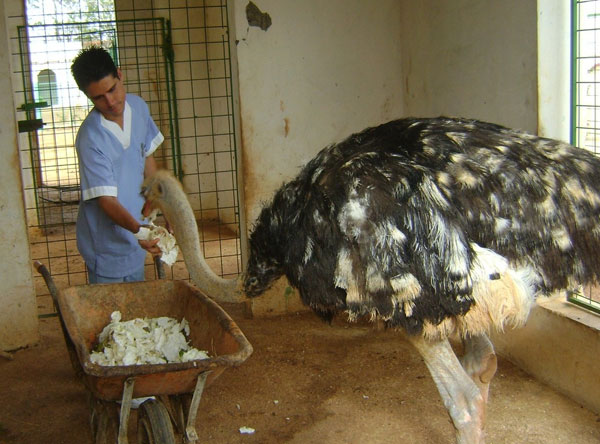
point(148, 207)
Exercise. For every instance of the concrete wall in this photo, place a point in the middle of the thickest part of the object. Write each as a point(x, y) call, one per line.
point(324, 70)
point(321, 71)
point(473, 59)
point(554, 69)
point(18, 317)
point(559, 345)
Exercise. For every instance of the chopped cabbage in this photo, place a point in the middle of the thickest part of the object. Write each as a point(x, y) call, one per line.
point(144, 341)
point(166, 241)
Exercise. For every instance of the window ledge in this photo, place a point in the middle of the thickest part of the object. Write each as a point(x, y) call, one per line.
point(558, 305)
point(558, 345)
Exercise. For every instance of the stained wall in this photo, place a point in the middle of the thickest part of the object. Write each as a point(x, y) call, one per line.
point(18, 317)
point(321, 71)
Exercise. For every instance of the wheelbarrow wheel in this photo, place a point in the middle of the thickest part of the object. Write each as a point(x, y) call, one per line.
point(154, 424)
point(104, 421)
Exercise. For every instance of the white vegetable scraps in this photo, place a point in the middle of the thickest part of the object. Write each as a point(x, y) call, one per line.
point(144, 341)
point(166, 241)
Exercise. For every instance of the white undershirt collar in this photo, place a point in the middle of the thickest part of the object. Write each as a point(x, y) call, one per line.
point(122, 135)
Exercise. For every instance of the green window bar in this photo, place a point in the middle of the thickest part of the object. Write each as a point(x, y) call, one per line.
point(585, 103)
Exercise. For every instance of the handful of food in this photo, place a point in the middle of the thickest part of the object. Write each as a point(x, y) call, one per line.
point(166, 241)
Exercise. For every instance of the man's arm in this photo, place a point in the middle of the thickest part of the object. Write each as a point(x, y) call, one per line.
point(149, 166)
point(118, 213)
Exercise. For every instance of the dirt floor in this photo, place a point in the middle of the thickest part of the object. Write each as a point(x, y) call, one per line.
point(307, 382)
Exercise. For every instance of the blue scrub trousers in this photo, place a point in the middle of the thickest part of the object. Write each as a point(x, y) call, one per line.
point(136, 276)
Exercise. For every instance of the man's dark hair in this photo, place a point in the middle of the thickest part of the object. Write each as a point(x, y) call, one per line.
point(92, 64)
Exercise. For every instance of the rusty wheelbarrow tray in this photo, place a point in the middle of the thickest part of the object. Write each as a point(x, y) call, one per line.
point(85, 310)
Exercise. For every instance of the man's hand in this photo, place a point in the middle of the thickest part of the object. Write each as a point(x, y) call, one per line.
point(150, 246)
point(117, 212)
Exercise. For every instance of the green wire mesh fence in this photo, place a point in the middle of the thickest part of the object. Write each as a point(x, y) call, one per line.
point(183, 71)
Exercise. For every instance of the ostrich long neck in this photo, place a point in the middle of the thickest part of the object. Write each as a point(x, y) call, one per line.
point(181, 217)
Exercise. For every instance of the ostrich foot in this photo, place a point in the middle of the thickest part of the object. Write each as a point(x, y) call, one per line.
point(480, 362)
point(461, 396)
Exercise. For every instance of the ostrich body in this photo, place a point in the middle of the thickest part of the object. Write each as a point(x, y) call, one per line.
point(439, 227)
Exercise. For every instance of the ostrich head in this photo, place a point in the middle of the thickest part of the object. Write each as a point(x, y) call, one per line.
point(263, 266)
point(274, 236)
point(162, 190)
point(260, 276)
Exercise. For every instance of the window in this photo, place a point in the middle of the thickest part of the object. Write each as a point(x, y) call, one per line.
point(51, 47)
point(46, 87)
point(586, 74)
point(585, 97)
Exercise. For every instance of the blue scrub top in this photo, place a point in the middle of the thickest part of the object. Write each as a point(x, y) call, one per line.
point(111, 163)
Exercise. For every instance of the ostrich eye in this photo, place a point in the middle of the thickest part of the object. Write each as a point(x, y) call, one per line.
point(160, 188)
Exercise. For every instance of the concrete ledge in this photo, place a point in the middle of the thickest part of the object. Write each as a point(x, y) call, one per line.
point(560, 346)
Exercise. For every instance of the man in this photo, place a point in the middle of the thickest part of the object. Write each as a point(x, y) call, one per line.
point(114, 147)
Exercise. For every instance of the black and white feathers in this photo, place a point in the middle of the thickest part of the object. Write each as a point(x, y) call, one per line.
point(413, 220)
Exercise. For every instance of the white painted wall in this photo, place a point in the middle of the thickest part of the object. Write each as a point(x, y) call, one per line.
point(473, 59)
point(554, 68)
point(18, 317)
point(322, 71)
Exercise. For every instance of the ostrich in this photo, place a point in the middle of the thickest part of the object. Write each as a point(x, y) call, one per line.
point(439, 227)
point(162, 190)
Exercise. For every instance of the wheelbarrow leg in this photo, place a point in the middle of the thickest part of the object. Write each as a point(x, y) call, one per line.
point(125, 410)
point(159, 267)
point(190, 429)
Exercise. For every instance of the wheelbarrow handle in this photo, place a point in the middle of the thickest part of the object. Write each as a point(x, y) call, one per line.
point(41, 268)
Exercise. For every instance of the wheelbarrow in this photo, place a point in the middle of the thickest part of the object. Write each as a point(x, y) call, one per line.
point(174, 389)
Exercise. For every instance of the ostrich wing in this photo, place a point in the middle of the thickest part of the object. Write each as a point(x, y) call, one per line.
point(399, 239)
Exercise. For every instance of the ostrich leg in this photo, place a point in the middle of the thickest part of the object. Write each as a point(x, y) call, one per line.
point(480, 362)
point(462, 398)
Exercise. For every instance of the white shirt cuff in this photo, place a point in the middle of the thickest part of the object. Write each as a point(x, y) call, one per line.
point(92, 193)
point(155, 143)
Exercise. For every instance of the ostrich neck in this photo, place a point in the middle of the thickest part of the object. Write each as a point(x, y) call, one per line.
point(182, 219)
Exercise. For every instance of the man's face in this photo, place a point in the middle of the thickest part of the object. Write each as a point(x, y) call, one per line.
point(108, 96)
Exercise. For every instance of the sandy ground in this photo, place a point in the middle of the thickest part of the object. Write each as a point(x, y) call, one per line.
point(307, 382)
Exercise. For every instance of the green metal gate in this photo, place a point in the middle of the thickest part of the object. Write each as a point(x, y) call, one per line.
point(54, 109)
